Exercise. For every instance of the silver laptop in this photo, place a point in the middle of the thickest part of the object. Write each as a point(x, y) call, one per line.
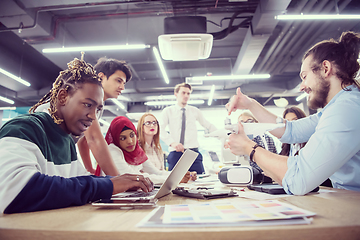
point(171, 182)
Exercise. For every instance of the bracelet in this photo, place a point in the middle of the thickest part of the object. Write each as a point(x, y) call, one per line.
point(252, 152)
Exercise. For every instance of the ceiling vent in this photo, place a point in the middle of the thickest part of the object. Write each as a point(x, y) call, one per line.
point(185, 39)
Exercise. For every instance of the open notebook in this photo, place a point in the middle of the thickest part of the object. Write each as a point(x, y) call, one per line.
point(170, 183)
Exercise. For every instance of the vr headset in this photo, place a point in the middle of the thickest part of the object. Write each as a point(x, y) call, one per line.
point(242, 175)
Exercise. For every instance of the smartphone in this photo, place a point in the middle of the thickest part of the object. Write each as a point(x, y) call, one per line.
point(271, 188)
point(214, 156)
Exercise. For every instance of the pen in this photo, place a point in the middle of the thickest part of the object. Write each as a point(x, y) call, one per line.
point(204, 176)
point(237, 189)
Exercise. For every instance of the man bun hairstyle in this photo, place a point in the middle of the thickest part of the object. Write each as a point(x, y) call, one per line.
point(343, 53)
point(109, 66)
point(71, 79)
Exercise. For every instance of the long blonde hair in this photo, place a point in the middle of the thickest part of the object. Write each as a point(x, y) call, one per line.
point(141, 134)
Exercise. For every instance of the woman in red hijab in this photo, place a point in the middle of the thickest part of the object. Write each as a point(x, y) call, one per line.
point(123, 144)
point(128, 156)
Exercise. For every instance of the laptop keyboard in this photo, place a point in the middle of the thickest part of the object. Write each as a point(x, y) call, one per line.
point(142, 194)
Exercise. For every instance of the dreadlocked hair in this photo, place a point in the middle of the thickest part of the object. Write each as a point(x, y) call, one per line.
point(78, 73)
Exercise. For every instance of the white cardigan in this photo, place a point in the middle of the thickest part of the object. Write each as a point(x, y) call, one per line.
point(154, 157)
point(147, 168)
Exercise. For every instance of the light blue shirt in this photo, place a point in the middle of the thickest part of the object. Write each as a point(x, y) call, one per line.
point(332, 149)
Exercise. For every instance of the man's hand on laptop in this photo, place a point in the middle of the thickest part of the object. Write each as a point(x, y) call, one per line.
point(193, 175)
point(126, 182)
point(188, 176)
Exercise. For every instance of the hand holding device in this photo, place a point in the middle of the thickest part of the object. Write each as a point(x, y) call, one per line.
point(254, 129)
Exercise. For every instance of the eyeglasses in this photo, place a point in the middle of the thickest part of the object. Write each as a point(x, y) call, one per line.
point(148, 123)
point(250, 120)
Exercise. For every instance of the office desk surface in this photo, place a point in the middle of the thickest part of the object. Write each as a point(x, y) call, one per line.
point(338, 217)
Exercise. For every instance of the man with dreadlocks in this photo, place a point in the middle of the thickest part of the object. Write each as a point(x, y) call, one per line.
point(114, 74)
point(38, 160)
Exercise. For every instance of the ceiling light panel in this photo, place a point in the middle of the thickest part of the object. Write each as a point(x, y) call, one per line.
point(95, 48)
point(22, 81)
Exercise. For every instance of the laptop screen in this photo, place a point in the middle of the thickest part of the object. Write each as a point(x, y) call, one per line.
point(171, 182)
point(178, 172)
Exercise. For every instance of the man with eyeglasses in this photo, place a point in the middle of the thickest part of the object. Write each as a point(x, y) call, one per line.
point(328, 74)
point(181, 119)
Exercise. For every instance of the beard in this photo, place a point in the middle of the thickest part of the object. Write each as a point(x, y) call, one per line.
point(320, 94)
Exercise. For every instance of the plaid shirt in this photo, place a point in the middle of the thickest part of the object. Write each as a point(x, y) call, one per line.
point(270, 144)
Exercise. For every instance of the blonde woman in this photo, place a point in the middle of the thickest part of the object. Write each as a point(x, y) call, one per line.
point(149, 139)
point(148, 132)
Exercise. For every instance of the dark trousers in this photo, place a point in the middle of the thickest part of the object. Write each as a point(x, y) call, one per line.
point(197, 166)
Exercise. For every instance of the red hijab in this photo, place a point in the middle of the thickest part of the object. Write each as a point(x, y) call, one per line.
point(118, 125)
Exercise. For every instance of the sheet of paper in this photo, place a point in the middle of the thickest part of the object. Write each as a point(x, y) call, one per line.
point(155, 219)
point(260, 195)
point(217, 212)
